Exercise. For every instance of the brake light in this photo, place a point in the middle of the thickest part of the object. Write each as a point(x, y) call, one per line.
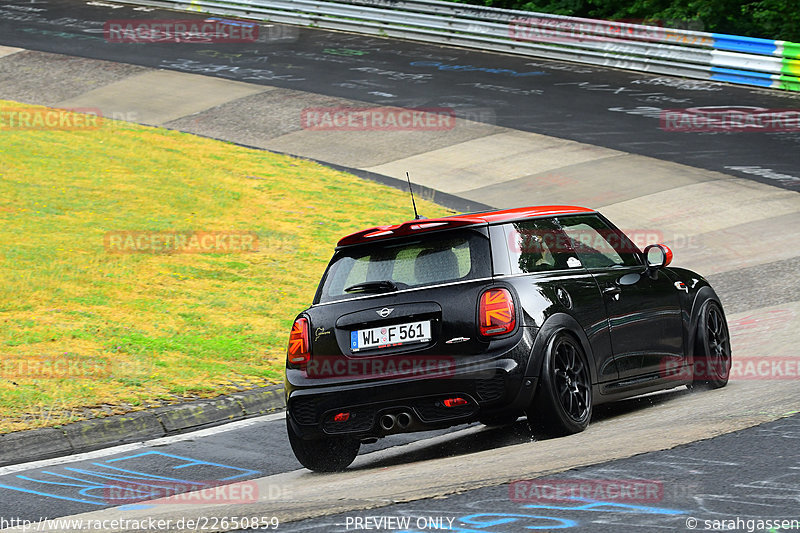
point(299, 352)
point(496, 312)
point(341, 417)
point(454, 402)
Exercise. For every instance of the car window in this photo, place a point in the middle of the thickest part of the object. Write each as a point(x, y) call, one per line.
point(537, 246)
point(597, 244)
point(436, 258)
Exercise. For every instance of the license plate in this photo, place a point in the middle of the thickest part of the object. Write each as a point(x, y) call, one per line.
point(397, 335)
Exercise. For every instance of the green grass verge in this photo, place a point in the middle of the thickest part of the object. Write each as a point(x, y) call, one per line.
point(163, 327)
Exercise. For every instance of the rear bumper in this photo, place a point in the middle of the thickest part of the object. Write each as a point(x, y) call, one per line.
point(490, 388)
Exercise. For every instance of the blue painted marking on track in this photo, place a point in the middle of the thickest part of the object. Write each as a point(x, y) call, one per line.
point(193, 462)
point(496, 519)
point(505, 518)
point(600, 506)
point(481, 522)
point(85, 489)
point(88, 486)
point(56, 496)
point(136, 475)
point(135, 507)
point(116, 476)
point(122, 477)
point(473, 68)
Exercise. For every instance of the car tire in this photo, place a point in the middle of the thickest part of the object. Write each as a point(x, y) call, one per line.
point(712, 352)
point(326, 454)
point(562, 404)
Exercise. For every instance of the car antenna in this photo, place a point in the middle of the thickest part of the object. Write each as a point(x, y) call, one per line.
point(416, 215)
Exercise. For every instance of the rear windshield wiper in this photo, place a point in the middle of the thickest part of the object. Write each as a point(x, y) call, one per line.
point(373, 286)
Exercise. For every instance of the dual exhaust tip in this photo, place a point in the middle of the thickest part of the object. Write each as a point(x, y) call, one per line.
point(389, 422)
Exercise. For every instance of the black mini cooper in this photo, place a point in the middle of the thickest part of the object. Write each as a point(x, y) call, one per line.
point(543, 311)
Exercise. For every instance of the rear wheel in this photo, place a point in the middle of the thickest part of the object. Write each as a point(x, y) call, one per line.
point(712, 354)
point(326, 454)
point(563, 401)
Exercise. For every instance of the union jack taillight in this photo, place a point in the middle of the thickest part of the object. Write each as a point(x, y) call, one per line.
point(299, 352)
point(496, 312)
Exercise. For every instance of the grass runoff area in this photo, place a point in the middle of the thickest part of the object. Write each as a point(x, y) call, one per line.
point(143, 266)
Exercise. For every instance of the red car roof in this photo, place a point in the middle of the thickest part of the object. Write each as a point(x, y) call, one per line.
point(468, 219)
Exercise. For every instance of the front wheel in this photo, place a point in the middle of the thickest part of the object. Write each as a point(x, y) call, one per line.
point(712, 354)
point(326, 454)
point(563, 401)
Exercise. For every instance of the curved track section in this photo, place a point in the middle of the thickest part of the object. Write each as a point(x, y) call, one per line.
point(527, 133)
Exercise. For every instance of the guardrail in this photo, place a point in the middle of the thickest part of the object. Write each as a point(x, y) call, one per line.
point(693, 54)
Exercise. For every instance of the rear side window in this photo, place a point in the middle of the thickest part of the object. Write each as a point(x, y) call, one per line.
point(429, 259)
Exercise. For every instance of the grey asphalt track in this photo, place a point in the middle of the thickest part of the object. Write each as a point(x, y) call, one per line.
point(602, 107)
point(726, 483)
point(613, 110)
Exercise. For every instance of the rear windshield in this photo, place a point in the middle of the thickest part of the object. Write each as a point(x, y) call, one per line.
point(441, 257)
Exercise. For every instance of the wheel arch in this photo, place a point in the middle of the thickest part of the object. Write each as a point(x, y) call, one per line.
point(557, 323)
point(704, 295)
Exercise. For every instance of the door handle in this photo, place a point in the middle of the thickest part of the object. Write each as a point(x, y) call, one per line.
point(613, 291)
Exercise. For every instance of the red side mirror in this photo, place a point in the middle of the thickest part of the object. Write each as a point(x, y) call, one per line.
point(657, 255)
